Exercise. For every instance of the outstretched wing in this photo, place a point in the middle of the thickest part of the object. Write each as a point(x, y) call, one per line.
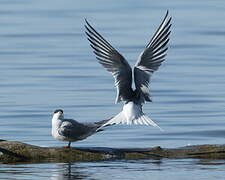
point(113, 61)
point(151, 58)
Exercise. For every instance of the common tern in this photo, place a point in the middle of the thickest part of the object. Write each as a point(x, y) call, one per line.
point(70, 130)
point(149, 61)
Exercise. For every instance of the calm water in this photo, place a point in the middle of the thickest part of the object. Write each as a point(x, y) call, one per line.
point(46, 63)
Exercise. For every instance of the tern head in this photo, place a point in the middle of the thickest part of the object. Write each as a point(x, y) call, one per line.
point(58, 114)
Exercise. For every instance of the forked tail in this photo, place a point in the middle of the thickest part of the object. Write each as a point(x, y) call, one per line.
point(121, 119)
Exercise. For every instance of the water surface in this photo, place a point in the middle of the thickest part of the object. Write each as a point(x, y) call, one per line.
point(46, 63)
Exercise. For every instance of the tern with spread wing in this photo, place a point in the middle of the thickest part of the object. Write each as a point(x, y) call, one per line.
point(149, 61)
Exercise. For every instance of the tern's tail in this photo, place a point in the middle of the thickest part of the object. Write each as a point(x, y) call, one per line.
point(121, 119)
point(101, 124)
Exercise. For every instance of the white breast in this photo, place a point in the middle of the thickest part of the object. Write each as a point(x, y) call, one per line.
point(131, 111)
point(56, 123)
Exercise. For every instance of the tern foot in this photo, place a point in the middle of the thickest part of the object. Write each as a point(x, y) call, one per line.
point(68, 146)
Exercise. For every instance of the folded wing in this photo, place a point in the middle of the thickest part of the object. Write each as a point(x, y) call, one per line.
point(151, 58)
point(73, 130)
point(113, 61)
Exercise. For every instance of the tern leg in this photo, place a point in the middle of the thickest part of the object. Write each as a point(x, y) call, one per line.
point(68, 146)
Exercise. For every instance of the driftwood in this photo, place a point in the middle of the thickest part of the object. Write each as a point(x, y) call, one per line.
point(13, 151)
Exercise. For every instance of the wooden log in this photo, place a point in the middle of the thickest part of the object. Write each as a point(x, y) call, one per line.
point(13, 151)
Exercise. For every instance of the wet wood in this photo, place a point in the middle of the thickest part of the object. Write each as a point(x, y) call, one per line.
point(13, 151)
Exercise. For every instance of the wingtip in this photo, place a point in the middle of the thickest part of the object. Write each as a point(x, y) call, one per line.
point(167, 12)
point(87, 23)
point(167, 15)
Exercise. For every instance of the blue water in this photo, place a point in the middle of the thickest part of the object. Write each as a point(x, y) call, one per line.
point(47, 63)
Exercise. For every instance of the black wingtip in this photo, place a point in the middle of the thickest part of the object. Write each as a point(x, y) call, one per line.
point(85, 19)
point(87, 23)
point(167, 12)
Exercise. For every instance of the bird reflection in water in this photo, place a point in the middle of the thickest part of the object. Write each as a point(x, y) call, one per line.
point(69, 171)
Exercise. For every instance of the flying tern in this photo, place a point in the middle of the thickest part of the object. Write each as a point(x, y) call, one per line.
point(148, 62)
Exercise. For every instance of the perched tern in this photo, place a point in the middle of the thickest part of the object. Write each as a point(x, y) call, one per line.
point(149, 61)
point(70, 130)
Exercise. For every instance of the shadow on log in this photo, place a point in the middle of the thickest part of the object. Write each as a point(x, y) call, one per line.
point(14, 152)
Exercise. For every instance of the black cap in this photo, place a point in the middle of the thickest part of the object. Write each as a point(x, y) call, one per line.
point(58, 110)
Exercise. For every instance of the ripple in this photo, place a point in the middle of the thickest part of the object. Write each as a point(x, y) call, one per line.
point(39, 35)
point(211, 33)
